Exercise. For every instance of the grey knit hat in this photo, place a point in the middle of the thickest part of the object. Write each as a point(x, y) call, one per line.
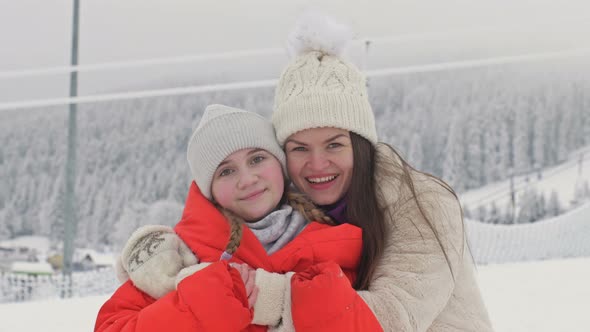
point(222, 131)
point(319, 88)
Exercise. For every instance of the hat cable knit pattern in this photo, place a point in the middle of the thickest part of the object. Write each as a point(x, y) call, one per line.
point(320, 89)
point(222, 131)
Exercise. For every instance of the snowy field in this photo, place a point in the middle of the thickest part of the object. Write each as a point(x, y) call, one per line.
point(537, 297)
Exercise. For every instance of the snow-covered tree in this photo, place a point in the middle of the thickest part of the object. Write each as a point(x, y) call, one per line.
point(494, 216)
point(541, 207)
point(164, 212)
point(454, 157)
point(131, 219)
point(497, 143)
point(521, 137)
point(4, 231)
point(482, 213)
point(474, 153)
point(528, 206)
point(509, 214)
point(466, 126)
point(467, 212)
point(553, 205)
point(581, 192)
point(539, 139)
point(416, 153)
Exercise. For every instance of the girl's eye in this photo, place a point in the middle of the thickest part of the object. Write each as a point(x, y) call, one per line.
point(257, 159)
point(226, 171)
point(334, 145)
point(298, 148)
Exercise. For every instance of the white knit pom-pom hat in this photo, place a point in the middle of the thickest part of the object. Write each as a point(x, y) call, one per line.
point(318, 88)
point(222, 131)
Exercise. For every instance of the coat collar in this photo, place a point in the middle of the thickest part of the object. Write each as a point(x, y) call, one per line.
point(204, 226)
point(206, 231)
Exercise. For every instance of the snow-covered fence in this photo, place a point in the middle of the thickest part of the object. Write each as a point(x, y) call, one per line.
point(567, 235)
point(21, 287)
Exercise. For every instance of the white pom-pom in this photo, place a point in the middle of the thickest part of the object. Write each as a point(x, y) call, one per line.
point(316, 32)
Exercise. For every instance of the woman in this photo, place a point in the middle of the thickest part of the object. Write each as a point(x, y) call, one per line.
point(416, 271)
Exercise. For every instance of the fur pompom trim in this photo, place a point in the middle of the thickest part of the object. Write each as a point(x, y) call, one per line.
point(316, 32)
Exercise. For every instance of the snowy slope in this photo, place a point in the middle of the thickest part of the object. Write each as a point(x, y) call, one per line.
point(566, 235)
point(562, 236)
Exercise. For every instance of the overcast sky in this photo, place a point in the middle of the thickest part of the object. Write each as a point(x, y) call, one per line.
point(36, 33)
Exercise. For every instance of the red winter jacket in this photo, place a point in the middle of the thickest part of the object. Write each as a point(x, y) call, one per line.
point(214, 299)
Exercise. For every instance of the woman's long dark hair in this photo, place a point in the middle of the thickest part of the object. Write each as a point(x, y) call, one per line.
point(364, 211)
point(362, 208)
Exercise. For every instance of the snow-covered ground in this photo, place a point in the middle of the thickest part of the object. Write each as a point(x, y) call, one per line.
point(538, 296)
point(535, 296)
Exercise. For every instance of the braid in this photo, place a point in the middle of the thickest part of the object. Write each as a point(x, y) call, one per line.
point(298, 201)
point(305, 206)
point(236, 229)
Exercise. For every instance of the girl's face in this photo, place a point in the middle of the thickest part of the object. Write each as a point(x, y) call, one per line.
point(249, 182)
point(320, 163)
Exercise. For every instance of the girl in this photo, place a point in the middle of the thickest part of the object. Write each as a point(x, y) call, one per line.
point(237, 164)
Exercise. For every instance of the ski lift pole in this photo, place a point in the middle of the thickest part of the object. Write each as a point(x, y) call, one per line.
point(512, 194)
point(581, 165)
point(365, 66)
point(70, 176)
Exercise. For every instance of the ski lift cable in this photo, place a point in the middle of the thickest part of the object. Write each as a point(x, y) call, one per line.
point(270, 83)
point(138, 94)
point(479, 62)
point(136, 63)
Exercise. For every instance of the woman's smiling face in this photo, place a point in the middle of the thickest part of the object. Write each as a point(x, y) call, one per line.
point(320, 163)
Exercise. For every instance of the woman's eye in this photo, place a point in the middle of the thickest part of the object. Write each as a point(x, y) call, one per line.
point(298, 148)
point(334, 145)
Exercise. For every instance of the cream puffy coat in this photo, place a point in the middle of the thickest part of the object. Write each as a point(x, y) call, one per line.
point(413, 288)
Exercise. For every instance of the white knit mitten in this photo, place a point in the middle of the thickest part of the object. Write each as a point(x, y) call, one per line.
point(153, 257)
point(188, 271)
point(273, 303)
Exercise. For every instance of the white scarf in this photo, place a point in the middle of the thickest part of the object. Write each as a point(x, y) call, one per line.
point(278, 228)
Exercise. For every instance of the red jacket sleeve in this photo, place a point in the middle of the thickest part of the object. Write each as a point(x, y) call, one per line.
point(322, 299)
point(213, 299)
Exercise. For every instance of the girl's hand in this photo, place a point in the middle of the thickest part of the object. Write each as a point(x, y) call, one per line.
point(248, 275)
